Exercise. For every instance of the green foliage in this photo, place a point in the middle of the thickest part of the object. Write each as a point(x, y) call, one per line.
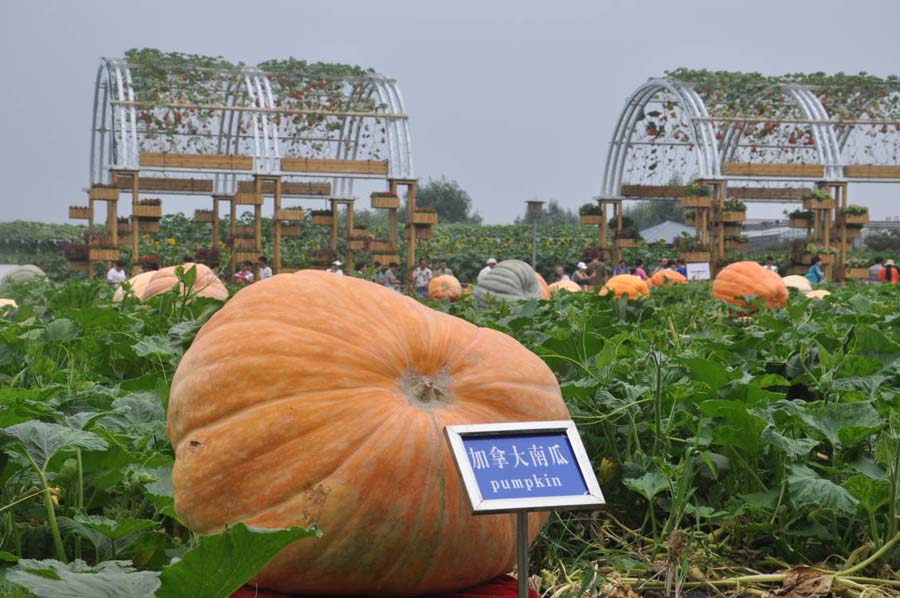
point(885, 241)
point(451, 202)
point(644, 214)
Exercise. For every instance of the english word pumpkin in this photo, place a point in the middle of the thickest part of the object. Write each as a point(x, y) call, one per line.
point(314, 398)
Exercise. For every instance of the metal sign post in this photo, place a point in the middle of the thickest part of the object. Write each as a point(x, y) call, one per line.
point(522, 467)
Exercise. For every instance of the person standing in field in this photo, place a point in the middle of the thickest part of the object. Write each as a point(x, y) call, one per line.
point(622, 268)
point(377, 273)
point(560, 274)
point(422, 275)
point(245, 274)
point(391, 280)
point(490, 266)
point(889, 274)
point(580, 276)
point(443, 270)
point(815, 274)
point(639, 270)
point(597, 273)
point(875, 270)
point(770, 264)
point(681, 267)
point(264, 270)
point(116, 274)
point(336, 268)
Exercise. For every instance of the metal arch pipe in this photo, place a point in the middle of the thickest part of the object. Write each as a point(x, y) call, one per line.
point(97, 126)
point(825, 143)
point(403, 133)
point(622, 137)
point(391, 138)
point(132, 114)
point(703, 134)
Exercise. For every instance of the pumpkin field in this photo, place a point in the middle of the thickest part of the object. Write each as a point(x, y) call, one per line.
point(740, 448)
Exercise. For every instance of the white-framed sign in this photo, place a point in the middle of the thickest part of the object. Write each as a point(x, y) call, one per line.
point(698, 271)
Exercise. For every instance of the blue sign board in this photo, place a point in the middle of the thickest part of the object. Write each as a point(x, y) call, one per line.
point(524, 466)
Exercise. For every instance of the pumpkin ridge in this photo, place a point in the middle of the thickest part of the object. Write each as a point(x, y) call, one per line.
point(439, 527)
point(271, 507)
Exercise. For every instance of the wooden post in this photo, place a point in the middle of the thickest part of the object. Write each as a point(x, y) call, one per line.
point(257, 216)
point(334, 224)
point(411, 248)
point(215, 222)
point(276, 228)
point(842, 206)
point(392, 216)
point(135, 223)
point(603, 223)
point(349, 260)
point(232, 234)
point(90, 237)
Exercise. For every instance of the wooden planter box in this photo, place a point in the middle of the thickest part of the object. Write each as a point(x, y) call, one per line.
point(245, 256)
point(103, 254)
point(623, 243)
point(735, 245)
point(806, 258)
point(381, 245)
point(241, 243)
point(385, 202)
point(290, 230)
point(856, 273)
point(153, 212)
point(591, 219)
point(323, 219)
point(289, 214)
point(695, 202)
point(424, 217)
point(248, 199)
point(849, 219)
point(815, 204)
point(690, 221)
point(104, 193)
point(732, 230)
point(732, 216)
point(424, 232)
point(203, 216)
point(799, 223)
point(357, 244)
point(852, 233)
point(385, 258)
point(79, 213)
point(360, 233)
point(245, 230)
point(694, 256)
point(148, 226)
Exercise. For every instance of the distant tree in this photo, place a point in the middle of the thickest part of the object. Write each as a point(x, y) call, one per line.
point(553, 214)
point(451, 202)
point(645, 214)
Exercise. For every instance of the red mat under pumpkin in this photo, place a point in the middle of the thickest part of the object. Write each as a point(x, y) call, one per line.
point(499, 587)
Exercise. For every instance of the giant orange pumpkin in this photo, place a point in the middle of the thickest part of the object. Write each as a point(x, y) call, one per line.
point(564, 285)
point(138, 284)
point(207, 283)
point(343, 427)
point(445, 287)
point(665, 278)
point(740, 279)
point(626, 284)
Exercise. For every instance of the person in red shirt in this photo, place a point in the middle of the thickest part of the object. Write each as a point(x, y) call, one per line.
point(889, 273)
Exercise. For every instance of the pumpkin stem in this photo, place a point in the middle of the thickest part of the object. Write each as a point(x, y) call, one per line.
point(426, 391)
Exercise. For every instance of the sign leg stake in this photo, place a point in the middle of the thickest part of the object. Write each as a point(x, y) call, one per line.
point(522, 548)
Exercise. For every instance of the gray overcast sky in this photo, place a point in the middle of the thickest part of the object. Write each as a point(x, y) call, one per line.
point(515, 100)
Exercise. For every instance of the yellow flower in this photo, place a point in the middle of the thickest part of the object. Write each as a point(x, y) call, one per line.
point(171, 241)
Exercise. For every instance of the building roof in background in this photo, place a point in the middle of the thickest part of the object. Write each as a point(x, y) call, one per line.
point(668, 231)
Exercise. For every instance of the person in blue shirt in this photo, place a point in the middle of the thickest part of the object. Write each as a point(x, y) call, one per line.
point(621, 268)
point(681, 267)
point(815, 274)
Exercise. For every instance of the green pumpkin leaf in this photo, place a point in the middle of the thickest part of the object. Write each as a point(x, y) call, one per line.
point(648, 485)
point(43, 440)
point(109, 579)
point(221, 564)
point(845, 423)
point(872, 494)
point(807, 488)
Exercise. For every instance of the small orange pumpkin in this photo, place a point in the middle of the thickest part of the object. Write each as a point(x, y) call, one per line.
point(665, 278)
point(626, 284)
point(354, 403)
point(564, 285)
point(740, 279)
point(445, 287)
point(207, 283)
point(138, 284)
